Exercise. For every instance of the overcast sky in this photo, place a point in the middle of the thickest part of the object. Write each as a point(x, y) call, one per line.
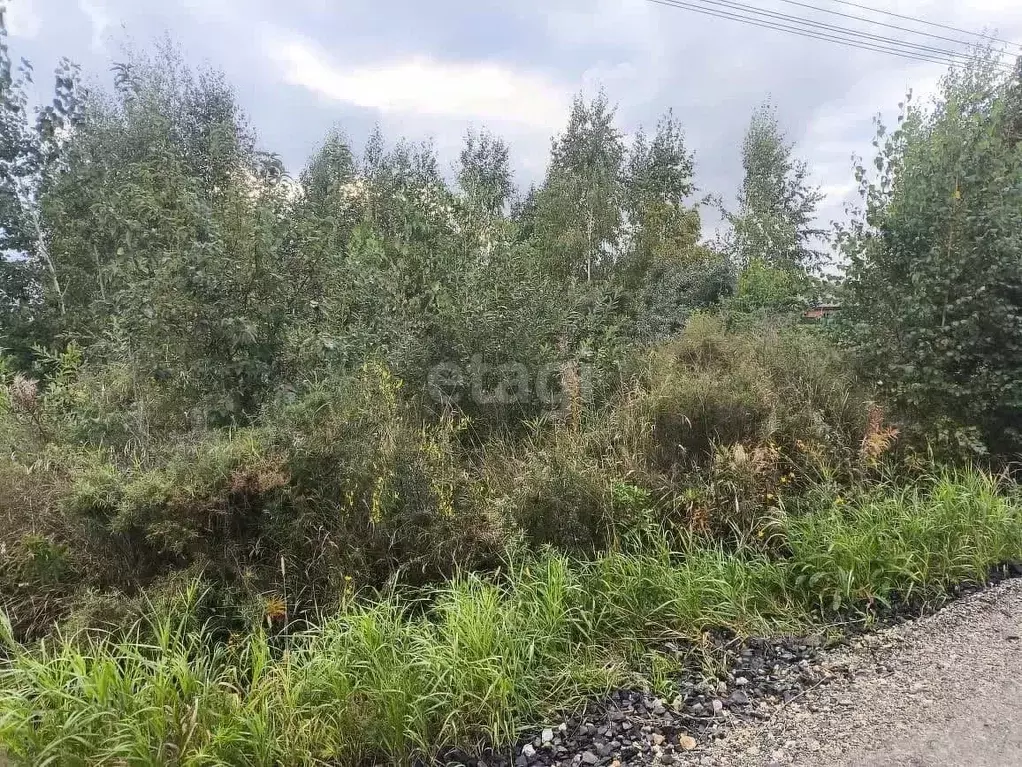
point(432, 68)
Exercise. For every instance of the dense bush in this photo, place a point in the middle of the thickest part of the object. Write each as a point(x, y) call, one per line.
point(354, 481)
point(775, 383)
point(701, 430)
point(344, 483)
point(215, 367)
point(932, 299)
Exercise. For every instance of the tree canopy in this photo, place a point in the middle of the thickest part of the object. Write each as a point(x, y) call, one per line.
point(934, 288)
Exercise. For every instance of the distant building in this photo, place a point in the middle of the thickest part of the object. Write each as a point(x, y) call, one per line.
point(821, 311)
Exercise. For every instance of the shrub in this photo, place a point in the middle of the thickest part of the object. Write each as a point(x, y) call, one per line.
point(675, 288)
point(767, 384)
point(390, 490)
point(564, 487)
point(708, 431)
point(764, 289)
point(43, 557)
point(350, 481)
point(930, 303)
point(344, 483)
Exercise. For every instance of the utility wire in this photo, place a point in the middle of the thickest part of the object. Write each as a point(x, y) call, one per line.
point(934, 24)
point(851, 41)
point(956, 41)
point(853, 37)
point(798, 30)
point(857, 33)
point(842, 36)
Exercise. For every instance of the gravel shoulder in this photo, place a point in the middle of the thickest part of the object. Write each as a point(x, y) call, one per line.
point(944, 690)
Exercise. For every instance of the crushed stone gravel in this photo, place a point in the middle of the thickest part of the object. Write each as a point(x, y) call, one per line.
point(940, 691)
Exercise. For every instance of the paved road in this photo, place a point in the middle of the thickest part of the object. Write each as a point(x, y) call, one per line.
point(945, 691)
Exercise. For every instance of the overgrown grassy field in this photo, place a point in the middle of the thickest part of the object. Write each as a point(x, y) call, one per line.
point(391, 678)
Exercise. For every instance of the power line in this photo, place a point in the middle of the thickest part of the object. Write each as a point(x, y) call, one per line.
point(842, 36)
point(956, 41)
point(850, 41)
point(855, 33)
point(799, 31)
point(851, 37)
point(934, 24)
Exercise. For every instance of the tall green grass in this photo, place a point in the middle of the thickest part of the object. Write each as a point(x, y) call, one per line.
point(908, 542)
point(389, 680)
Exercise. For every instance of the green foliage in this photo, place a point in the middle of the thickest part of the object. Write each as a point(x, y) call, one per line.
point(31, 159)
point(780, 384)
point(711, 430)
point(558, 488)
point(579, 209)
point(931, 299)
point(386, 679)
point(485, 173)
point(214, 373)
point(355, 479)
point(906, 543)
point(234, 374)
point(1013, 108)
point(766, 289)
point(776, 205)
point(672, 289)
point(201, 284)
point(658, 180)
point(343, 482)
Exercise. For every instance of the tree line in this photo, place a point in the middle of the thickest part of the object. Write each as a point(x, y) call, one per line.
point(146, 227)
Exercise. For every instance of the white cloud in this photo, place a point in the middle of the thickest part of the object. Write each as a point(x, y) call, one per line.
point(100, 18)
point(618, 45)
point(426, 86)
point(23, 20)
point(215, 10)
point(604, 22)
